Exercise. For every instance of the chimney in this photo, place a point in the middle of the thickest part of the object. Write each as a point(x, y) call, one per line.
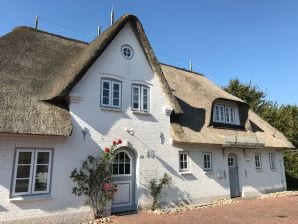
point(112, 16)
point(36, 22)
point(98, 31)
point(190, 66)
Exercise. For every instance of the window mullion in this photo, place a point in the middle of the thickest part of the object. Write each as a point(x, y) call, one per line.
point(141, 98)
point(111, 90)
point(33, 175)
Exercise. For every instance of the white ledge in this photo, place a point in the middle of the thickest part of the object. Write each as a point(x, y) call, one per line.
point(31, 198)
point(111, 109)
point(185, 173)
point(141, 112)
point(209, 172)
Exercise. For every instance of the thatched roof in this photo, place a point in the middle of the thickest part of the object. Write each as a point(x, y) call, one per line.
point(196, 95)
point(38, 70)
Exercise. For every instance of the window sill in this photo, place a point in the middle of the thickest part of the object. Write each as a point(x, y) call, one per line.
point(259, 170)
point(273, 169)
point(111, 109)
point(209, 172)
point(31, 198)
point(141, 112)
point(185, 172)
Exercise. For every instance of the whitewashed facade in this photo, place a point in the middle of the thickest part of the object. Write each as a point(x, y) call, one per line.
point(146, 134)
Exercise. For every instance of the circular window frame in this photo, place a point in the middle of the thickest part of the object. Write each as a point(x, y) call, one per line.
point(131, 50)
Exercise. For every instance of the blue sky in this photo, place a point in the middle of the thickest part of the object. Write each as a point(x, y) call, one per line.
point(253, 40)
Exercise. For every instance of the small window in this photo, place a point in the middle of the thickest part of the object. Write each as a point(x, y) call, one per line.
point(32, 172)
point(122, 164)
point(224, 114)
point(258, 162)
point(207, 159)
point(140, 98)
point(231, 162)
point(272, 160)
point(111, 93)
point(183, 162)
point(127, 51)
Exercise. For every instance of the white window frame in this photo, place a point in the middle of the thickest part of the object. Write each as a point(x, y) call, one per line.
point(210, 161)
point(130, 165)
point(140, 98)
point(187, 169)
point(224, 114)
point(272, 161)
point(111, 91)
point(32, 176)
point(259, 155)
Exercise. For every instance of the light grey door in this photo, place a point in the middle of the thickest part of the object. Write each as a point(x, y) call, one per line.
point(233, 175)
point(124, 177)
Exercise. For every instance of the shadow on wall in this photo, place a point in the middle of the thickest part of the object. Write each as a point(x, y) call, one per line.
point(170, 169)
point(2, 209)
point(192, 117)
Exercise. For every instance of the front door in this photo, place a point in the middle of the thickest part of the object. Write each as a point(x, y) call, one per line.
point(233, 175)
point(124, 177)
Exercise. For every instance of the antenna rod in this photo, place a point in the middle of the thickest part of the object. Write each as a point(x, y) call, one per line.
point(98, 31)
point(112, 16)
point(190, 66)
point(36, 22)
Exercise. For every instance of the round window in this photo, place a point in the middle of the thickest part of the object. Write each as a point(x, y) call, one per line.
point(127, 51)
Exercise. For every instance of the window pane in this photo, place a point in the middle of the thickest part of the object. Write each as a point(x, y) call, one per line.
point(41, 171)
point(105, 101)
point(135, 98)
point(43, 158)
point(24, 158)
point(22, 186)
point(106, 85)
point(145, 106)
point(116, 102)
point(106, 93)
point(23, 171)
point(127, 159)
point(127, 168)
point(116, 94)
point(41, 184)
point(116, 87)
point(121, 157)
point(121, 168)
point(181, 165)
point(135, 105)
point(135, 91)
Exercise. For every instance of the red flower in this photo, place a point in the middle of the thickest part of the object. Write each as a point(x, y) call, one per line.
point(114, 143)
point(119, 141)
point(107, 150)
point(106, 186)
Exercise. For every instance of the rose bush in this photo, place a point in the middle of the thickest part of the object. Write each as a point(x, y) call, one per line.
point(94, 179)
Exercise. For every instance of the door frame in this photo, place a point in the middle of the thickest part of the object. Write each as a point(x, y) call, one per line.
point(133, 166)
point(234, 155)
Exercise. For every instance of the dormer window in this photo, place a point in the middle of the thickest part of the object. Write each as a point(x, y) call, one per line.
point(225, 114)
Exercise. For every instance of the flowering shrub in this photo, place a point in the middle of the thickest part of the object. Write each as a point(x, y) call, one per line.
point(94, 180)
